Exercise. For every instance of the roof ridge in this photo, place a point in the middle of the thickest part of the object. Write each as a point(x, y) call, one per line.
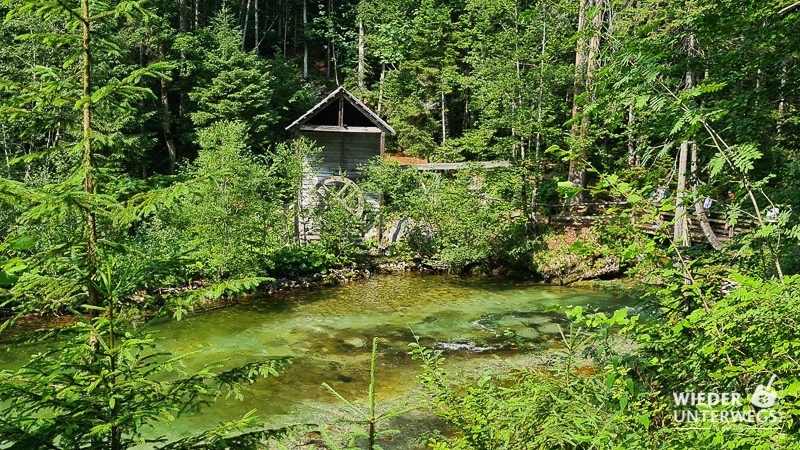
point(358, 104)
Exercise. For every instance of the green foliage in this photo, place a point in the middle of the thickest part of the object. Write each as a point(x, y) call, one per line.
point(340, 227)
point(688, 347)
point(466, 80)
point(527, 408)
point(237, 86)
point(369, 418)
point(102, 383)
point(234, 213)
point(472, 216)
point(303, 259)
point(12, 254)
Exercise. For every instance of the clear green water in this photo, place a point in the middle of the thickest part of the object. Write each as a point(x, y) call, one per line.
point(328, 331)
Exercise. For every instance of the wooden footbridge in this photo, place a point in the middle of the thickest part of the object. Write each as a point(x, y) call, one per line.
point(659, 224)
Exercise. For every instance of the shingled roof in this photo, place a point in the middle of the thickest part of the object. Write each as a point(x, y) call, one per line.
point(341, 92)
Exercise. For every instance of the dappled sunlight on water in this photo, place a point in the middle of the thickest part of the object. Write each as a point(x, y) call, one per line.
point(329, 331)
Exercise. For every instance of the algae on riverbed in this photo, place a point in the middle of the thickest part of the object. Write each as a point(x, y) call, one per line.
point(327, 332)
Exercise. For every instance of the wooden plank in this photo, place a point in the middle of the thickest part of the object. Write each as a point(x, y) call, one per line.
point(456, 166)
point(343, 129)
point(577, 205)
point(576, 218)
point(341, 112)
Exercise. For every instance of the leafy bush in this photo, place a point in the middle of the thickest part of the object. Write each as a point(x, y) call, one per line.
point(235, 214)
point(472, 216)
point(562, 407)
point(303, 259)
point(68, 397)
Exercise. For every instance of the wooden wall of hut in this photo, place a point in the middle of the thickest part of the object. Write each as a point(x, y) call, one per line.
point(343, 152)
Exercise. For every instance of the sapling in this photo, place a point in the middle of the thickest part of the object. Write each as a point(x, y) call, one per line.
point(370, 418)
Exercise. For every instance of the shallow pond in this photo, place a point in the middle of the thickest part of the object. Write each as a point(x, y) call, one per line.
point(329, 331)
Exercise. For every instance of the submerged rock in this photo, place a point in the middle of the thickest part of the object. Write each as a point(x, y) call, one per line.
point(345, 379)
point(456, 346)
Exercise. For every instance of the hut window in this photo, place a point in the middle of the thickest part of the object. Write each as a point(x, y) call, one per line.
point(328, 116)
point(355, 118)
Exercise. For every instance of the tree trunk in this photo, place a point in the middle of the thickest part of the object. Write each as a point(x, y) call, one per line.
point(335, 65)
point(577, 173)
point(712, 238)
point(465, 123)
point(182, 17)
point(166, 119)
point(255, 29)
point(782, 100)
point(541, 91)
point(239, 17)
point(330, 45)
point(594, 45)
point(591, 67)
point(8, 157)
point(517, 87)
point(681, 231)
point(182, 26)
point(285, 29)
point(305, 41)
point(294, 34)
point(88, 159)
point(444, 116)
point(246, 18)
point(196, 15)
point(380, 87)
point(633, 161)
point(360, 54)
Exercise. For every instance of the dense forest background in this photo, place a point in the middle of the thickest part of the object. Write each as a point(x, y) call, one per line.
point(649, 91)
point(458, 79)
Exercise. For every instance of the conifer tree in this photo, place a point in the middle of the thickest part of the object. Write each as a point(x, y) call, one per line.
point(93, 387)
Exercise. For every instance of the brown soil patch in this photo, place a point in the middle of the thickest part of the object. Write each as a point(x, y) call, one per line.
point(402, 158)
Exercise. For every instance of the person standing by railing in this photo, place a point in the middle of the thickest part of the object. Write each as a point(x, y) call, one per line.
point(656, 198)
point(728, 220)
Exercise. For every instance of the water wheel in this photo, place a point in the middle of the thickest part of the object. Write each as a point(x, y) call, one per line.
point(342, 191)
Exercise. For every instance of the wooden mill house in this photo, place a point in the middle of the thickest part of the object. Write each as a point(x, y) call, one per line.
point(348, 135)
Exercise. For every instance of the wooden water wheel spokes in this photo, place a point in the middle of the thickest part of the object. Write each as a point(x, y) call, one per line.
point(344, 192)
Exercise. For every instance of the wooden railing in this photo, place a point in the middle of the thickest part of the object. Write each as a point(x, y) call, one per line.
point(562, 213)
point(553, 210)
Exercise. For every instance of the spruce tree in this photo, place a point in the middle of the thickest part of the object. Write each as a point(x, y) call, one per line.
point(94, 386)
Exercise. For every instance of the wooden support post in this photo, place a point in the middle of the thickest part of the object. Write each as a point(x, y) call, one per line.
point(298, 200)
point(380, 220)
point(341, 113)
point(380, 197)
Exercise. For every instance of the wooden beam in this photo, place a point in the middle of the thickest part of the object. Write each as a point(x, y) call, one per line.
point(339, 94)
point(380, 197)
point(341, 112)
point(332, 128)
point(456, 166)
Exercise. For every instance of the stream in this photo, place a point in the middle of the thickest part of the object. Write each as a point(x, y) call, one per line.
point(328, 332)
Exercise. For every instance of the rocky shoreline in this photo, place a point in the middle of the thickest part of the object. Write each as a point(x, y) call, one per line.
point(577, 273)
point(344, 275)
